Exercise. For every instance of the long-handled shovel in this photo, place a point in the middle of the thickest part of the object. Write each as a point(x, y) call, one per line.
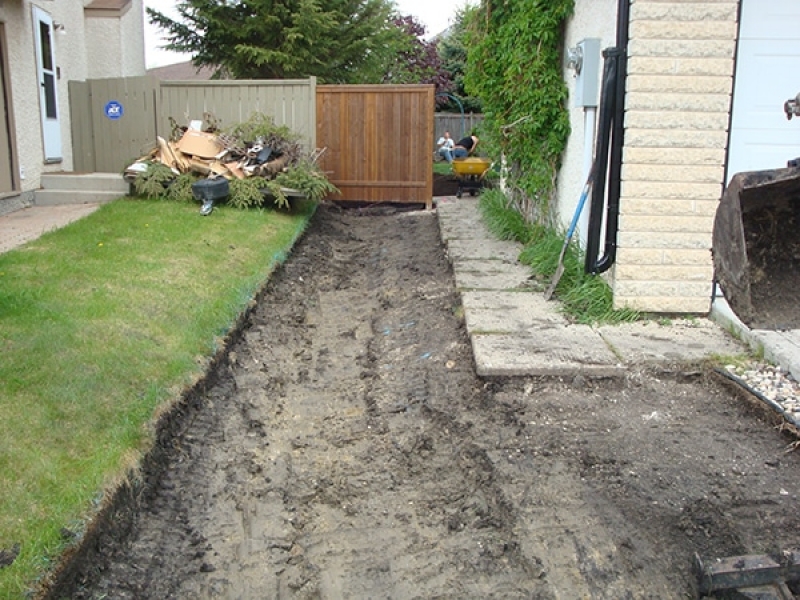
point(578, 210)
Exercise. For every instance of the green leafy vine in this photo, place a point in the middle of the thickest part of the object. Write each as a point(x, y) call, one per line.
point(514, 65)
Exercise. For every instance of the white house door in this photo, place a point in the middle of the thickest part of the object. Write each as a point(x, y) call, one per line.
point(767, 75)
point(48, 84)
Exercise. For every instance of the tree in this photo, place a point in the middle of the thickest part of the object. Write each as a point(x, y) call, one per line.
point(417, 61)
point(452, 51)
point(338, 41)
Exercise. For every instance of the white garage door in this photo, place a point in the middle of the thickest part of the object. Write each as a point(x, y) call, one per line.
point(767, 75)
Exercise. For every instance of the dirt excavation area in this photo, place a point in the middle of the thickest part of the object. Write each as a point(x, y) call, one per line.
point(344, 448)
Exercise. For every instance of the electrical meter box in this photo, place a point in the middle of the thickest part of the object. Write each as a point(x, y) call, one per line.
point(587, 78)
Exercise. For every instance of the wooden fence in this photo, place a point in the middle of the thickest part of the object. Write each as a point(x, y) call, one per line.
point(457, 124)
point(104, 140)
point(379, 141)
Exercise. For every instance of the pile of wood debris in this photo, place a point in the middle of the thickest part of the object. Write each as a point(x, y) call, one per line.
point(211, 154)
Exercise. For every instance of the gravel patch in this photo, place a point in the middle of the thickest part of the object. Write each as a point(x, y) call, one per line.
point(772, 385)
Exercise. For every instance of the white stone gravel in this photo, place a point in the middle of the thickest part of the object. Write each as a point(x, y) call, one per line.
point(771, 382)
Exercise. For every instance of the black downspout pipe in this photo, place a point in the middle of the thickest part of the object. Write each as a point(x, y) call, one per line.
point(604, 122)
point(616, 70)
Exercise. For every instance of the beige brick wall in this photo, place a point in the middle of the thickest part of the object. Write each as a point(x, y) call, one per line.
point(680, 72)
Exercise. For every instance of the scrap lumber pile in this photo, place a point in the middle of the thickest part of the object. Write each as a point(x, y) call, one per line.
point(211, 154)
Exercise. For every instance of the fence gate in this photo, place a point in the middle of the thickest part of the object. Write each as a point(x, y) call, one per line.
point(113, 122)
point(379, 141)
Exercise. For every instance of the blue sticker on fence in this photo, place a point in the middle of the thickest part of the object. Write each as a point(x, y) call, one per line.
point(114, 110)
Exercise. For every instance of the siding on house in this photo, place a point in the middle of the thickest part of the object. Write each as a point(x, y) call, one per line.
point(680, 74)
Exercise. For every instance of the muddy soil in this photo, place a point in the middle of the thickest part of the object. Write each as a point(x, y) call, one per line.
point(773, 253)
point(346, 449)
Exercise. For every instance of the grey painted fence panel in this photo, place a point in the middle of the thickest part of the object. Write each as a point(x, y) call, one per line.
point(103, 141)
point(80, 111)
point(290, 102)
point(101, 144)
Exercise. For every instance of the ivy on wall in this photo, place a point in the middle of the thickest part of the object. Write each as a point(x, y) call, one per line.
point(514, 65)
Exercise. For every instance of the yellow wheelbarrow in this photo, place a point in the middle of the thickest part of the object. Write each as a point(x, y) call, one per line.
point(470, 172)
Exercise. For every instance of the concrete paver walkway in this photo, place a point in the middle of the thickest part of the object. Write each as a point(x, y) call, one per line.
point(21, 226)
point(515, 331)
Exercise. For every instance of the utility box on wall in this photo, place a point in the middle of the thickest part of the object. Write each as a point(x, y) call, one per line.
point(587, 73)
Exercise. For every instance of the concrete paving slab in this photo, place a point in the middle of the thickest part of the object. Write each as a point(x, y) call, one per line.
point(556, 352)
point(492, 275)
point(683, 340)
point(465, 230)
point(511, 300)
point(781, 348)
point(24, 225)
point(517, 313)
point(450, 205)
point(491, 249)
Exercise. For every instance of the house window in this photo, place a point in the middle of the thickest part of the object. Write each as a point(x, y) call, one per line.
point(48, 79)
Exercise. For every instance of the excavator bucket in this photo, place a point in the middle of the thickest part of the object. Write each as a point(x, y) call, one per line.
point(756, 247)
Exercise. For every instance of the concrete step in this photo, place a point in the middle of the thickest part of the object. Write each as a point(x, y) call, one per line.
point(56, 197)
point(101, 182)
point(80, 188)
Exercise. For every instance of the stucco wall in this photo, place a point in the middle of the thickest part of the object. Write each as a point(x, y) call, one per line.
point(74, 62)
point(25, 90)
point(680, 74)
point(116, 44)
point(592, 19)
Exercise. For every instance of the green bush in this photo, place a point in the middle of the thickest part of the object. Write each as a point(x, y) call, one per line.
point(180, 189)
point(247, 193)
point(308, 179)
point(154, 182)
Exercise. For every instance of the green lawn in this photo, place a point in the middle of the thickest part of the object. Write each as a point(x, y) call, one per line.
point(103, 323)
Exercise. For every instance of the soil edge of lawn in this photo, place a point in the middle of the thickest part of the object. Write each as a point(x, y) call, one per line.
point(114, 514)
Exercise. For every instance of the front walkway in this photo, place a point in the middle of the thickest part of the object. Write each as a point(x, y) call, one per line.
point(24, 225)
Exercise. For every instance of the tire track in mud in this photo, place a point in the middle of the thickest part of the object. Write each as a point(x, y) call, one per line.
point(347, 450)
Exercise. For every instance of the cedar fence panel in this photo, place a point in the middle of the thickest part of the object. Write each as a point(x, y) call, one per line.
point(378, 140)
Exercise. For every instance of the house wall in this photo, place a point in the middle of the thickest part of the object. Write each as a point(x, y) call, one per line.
point(24, 90)
point(75, 58)
point(592, 19)
point(680, 73)
point(116, 43)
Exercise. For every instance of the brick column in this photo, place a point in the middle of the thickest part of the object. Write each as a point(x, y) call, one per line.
point(680, 74)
